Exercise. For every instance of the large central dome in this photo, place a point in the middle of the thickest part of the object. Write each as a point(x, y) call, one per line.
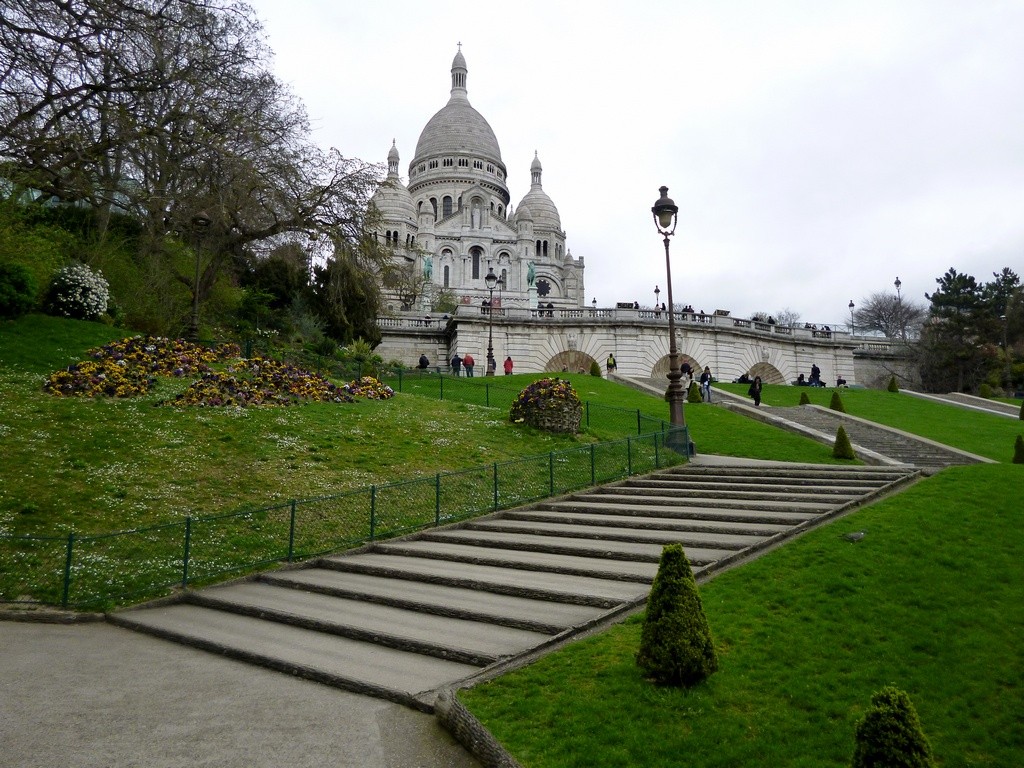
point(457, 128)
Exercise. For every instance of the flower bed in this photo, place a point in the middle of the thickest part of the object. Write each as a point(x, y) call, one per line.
point(549, 404)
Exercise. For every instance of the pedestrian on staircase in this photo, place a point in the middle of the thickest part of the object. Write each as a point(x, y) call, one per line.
point(611, 365)
point(705, 384)
point(755, 390)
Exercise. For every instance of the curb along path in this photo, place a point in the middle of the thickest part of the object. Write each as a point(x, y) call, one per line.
point(406, 618)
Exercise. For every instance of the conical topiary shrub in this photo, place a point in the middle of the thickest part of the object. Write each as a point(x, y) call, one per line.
point(837, 403)
point(890, 735)
point(804, 399)
point(985, 390)
point(893, 386)
point(843, 449)
point(675, 644)
point(1018, 450)
point(595, 368)
point(693, 393)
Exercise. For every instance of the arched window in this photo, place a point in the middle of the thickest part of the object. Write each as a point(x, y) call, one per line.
point(504, 279)
point(476, 252)
point(447, 275)
point(433, 203)
point(446, 206)
point(545, 249)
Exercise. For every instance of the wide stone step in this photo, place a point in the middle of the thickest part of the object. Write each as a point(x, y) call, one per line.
point(578, 590)
point(471, 642)
point(783, 514)
point(603, 548)
point(683, 491)
point(508, 610)
point(779, 486)
point(636, 521)
point(717, 540)
point(574, 565)
point(625, 499)
point(837, 472)
point(340, 661)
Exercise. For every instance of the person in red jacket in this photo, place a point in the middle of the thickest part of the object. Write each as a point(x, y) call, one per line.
point(468, 362)
point(508, 366)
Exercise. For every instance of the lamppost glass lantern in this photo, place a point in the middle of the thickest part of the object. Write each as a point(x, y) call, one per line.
point(853, 327)
point(657, 297)
point(665, 213)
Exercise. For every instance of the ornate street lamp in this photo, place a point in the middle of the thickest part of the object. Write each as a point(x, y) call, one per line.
point(853, 328)
point(665, 213)
point(657, 295)
point(491, 282)
point(594, 304)
point(200, 224)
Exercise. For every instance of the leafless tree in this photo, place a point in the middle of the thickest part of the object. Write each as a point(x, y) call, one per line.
point(892, 316)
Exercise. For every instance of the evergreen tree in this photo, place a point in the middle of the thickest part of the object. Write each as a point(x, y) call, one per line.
point(804, 399)
point(837, 403)
point(893, 386)
point(676, 647)
point(890, 734)
point(842, 448)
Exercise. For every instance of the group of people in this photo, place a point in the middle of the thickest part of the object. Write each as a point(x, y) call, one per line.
point(813, 381)
point(466, 362)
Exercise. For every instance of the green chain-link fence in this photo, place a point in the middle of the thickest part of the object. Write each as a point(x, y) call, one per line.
point(83, 571)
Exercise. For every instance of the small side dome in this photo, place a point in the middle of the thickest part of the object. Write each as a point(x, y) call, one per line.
point(545, 213)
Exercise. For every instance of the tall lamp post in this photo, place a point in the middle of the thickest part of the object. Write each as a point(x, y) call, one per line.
point(853, 328)
point(657, 295)
point(665, 213)
point(200, 223)
point(899, 309)
point(491, 282)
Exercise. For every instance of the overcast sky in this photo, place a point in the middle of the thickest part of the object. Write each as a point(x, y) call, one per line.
point(816, 150)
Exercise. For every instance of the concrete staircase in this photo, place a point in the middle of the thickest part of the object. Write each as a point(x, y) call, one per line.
point(872, 442)
point(404, 618)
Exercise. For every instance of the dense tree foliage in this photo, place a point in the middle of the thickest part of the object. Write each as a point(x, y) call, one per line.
point(167, 113)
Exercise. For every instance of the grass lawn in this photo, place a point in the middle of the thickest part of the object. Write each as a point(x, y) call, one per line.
point(931, 600)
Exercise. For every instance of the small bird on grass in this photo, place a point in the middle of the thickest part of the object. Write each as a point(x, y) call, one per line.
point(854, 536)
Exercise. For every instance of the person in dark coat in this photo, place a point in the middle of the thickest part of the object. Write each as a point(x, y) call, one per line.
point(755, 390)
point(424, 363)
point(456, 364)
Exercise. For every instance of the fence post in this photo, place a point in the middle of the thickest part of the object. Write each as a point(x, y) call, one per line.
point(291, 533)
point(373, 511)
point(551, 473)
point(399, 379)
point(593, 472)
point(188, 549)
point(588, 414)
point(67, 571)
point(440, 378)
point(639, 426)
point(487, 395)
point(629, 456)
point(657, 456)
point(495, 485)
point(437, 499)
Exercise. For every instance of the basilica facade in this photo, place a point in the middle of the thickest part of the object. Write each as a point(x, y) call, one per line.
point(454, 221)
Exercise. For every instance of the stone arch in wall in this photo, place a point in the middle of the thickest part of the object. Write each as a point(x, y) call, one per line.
point(661, 368)
point(570, 361)
point(769, 373)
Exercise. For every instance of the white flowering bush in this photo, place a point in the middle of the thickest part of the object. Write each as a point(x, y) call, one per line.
point(78, 292)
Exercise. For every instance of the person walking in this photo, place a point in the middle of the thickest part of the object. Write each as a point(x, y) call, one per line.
point(508, 365)
point(468, 362)
point(705, 384)
point(456, 364)
point(424, 363)
point(755, 390)
point(610, 364)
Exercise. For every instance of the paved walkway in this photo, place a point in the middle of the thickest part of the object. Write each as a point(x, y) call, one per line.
point(91, 694)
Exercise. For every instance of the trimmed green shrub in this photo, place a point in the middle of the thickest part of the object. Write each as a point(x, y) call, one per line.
point(1018, 450)
point(836, 403)
point(890, 734)
point(676, 647)
point(804, 399)
point(893, 386)
point(842, 448)
point(17, 291)
point(693, 394)
point(985, 390)
point(595, 368)
point(78, 292)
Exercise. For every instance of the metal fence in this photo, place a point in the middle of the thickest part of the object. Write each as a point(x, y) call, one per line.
point(95, 570)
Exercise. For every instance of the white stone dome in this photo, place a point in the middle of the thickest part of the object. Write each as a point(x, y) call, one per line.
point(541, 206)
